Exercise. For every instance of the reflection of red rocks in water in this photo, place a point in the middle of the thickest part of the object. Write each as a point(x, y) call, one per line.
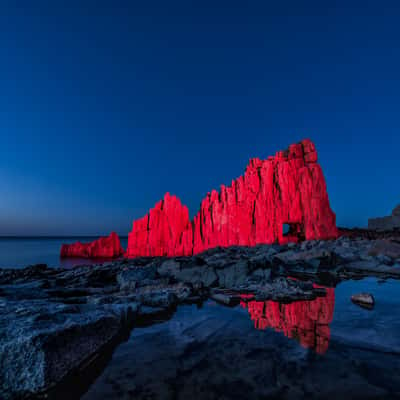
point(288, 188)
point(105, 247)
point(306, 321)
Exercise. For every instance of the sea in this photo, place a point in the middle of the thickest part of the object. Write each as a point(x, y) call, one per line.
point(19, 252)
point(328, 348)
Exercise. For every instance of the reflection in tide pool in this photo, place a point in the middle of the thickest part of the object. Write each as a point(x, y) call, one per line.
point(214, 352)
point(306, 321)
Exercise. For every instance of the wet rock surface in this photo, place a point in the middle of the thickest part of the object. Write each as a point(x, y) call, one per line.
point(215, 353)
point(54, 321)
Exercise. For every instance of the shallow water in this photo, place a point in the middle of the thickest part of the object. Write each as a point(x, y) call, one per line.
point(326, 350)
point(22, 251)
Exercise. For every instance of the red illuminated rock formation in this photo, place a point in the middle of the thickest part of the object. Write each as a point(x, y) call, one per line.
point(105, 247)
point(165, 231)
point(306, 321)
point(288, 188)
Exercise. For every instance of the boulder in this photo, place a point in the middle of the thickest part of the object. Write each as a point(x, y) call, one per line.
point(188, 272)
point(234, 275)
point(225, 297)
point(307, 261)
point(41, 342)
point(131, 277)
point(365, 300)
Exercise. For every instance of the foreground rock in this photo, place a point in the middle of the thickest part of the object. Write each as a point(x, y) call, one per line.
point(42, 341)
point(53, 322)
point(105, 247)
point(365, 300)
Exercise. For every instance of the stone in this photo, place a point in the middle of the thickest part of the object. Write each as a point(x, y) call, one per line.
point(225, 297)
point(169, 267)
point(311, 260)
point(188, 272)
point(382, 258)
point(105, 247)
point(205, 275)
point(164, 231)
point(396, 211)
point(386, 248)
point(286, 189)
point(162, 294)
point(234, 275)
point(370, 267)
point(130, 278)
point(40, 341)
point(365, 300)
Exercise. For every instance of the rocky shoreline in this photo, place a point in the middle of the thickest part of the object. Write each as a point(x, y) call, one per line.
point(57, 323)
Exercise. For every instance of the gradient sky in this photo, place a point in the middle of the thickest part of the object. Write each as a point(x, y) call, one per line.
point(107, 105)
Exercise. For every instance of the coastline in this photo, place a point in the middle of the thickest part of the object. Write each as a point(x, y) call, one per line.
point(75, 316)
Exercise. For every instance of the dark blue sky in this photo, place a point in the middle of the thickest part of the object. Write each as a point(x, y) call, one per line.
point(106, 107)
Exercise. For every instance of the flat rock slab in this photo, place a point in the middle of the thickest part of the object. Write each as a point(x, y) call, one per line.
point(371, 267)
point(41, 341)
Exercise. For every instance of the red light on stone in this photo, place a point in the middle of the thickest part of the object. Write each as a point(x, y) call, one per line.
point(286, 189)
point(105, 247)
point(306, 321)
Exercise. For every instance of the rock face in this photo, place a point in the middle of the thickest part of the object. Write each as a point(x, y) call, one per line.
point(105, 247)
point(307, 321)
point(165, 231)
point(386, 223)
point(287, 189)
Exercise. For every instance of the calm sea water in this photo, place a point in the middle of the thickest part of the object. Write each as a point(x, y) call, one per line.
point(22, 251)
point(324, 350)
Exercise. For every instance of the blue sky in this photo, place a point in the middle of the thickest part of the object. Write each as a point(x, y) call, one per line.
point(104, 106)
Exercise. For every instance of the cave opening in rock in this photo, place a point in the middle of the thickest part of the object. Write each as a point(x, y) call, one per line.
point(290, 229)
point(285, 229)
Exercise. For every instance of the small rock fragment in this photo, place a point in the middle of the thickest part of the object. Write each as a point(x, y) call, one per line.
point(365, 300)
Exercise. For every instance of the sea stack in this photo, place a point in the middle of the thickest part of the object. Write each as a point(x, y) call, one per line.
point(105, 247)
point(286, 189)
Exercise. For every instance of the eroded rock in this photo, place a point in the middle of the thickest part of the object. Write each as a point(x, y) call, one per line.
point(287, 189)
point(104, 247)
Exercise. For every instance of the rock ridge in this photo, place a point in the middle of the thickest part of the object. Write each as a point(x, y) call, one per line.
point(287, 189)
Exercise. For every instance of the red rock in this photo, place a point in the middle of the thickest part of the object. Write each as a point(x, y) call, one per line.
point(306, 321)
point(286, 189)
point(165, 231)
point(105, 247)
